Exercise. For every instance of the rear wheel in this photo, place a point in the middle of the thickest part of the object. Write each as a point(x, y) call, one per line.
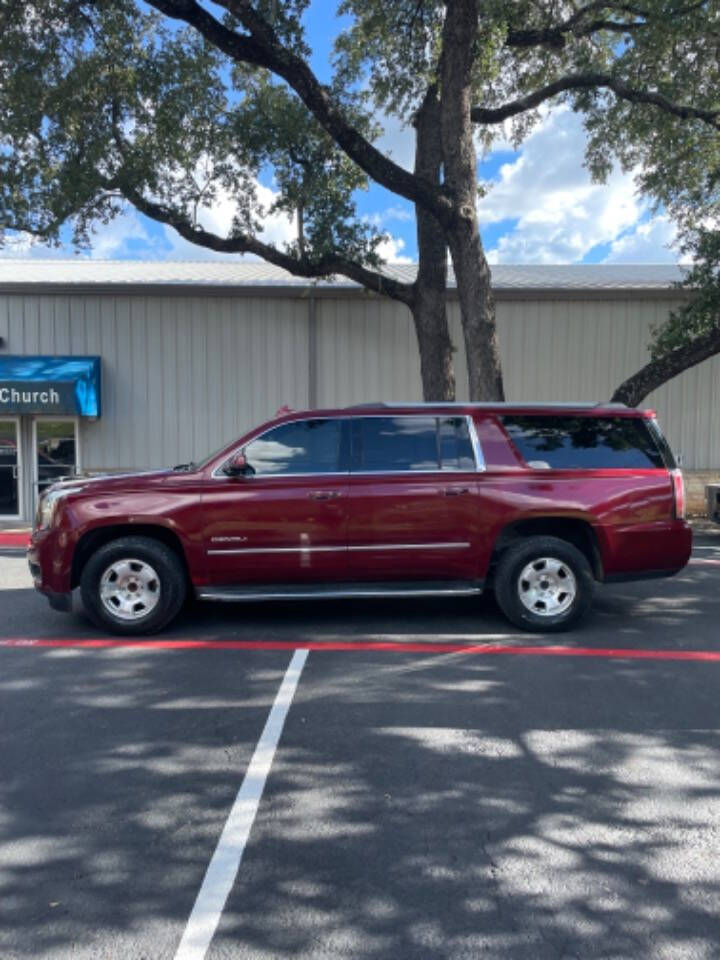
point(544, 584)
point(133, 585)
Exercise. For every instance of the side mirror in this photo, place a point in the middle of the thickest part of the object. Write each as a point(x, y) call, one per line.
point(237, 466)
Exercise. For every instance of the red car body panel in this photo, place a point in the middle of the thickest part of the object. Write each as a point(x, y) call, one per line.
point(390, 514)
point(359, 526)
point(288, 530)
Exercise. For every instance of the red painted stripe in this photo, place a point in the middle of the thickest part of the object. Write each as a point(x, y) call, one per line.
point(622, 653)
point(14, 539)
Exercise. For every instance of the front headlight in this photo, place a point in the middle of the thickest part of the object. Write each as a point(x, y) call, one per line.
point(48, 505)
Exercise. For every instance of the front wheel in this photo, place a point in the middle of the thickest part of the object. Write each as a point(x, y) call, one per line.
point(544, 584)
point(133, 585)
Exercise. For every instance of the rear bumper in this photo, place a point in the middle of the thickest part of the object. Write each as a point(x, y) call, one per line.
point(643, 552)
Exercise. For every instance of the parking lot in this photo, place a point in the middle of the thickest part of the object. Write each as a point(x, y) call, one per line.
point(442, 785)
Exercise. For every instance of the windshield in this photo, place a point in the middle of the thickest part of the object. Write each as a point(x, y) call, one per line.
point(201, 464)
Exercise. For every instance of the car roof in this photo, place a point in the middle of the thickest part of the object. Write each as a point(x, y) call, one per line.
point(380, 407)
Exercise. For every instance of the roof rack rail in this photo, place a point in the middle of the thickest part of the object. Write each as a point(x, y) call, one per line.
point(611, 403)
point(368, 403)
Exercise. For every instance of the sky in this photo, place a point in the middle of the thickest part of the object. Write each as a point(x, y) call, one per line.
point(542, 206)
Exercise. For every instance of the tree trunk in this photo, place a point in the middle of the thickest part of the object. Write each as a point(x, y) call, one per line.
point(429, 308)
point(472, 273)
point(657, 372)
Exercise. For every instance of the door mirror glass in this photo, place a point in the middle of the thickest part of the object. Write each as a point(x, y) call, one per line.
point(238, 466)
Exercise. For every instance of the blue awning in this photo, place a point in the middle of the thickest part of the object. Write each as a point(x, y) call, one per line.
point(47, 385)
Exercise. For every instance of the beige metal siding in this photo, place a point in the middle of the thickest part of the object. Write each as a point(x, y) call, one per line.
point(183, 374)
point(366, 350)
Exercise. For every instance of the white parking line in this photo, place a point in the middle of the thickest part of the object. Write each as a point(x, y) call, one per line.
point(223, 867)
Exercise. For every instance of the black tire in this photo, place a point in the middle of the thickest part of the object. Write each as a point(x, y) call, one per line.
point(166, 592)
point(509, 586)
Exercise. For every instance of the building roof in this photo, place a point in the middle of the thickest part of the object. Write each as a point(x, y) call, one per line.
point(243, 276)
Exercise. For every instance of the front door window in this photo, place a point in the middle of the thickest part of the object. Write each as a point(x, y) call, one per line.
point(9, 469)
point(56, 451)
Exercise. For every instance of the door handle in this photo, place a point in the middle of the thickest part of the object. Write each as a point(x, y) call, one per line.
point(324, 494)
point(455, 491)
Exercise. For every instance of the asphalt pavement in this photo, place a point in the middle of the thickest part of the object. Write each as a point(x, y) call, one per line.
point(420, 804)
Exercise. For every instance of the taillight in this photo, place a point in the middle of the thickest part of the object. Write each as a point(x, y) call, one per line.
point(679, 492)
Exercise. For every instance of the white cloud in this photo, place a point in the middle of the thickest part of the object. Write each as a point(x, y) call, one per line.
point(650, 242)
point(21, 246)
point(278, 229)
point(109, 241)
point(390, 250)
point(393, 212)
point(561, 215)
point(115, 239)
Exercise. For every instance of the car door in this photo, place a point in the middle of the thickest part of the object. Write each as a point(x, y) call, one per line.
point(286, 520)
point(413, 498)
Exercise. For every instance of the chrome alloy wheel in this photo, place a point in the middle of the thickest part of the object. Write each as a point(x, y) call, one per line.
point(547, 587)
point(130, 589)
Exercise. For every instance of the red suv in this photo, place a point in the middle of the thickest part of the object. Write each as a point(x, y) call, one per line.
point(538, 503)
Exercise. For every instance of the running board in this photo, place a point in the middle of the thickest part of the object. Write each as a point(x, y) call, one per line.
point(343, 591)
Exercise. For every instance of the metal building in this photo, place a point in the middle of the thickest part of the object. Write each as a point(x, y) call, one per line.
point(188, 355)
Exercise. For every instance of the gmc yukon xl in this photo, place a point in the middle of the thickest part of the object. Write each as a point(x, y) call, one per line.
point(538, 503)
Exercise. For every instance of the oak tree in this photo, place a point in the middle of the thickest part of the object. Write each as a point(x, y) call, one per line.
point(173, 104)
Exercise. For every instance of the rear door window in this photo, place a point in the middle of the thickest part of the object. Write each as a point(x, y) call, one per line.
point(411, 444)
point(456, 450)
point(583, 443)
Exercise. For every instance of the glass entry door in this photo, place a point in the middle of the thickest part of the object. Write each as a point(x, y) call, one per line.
point(56, 451)
point(9, 469)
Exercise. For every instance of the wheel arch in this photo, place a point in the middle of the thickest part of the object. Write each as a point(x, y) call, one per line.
point(93, 539)
point(576, 530)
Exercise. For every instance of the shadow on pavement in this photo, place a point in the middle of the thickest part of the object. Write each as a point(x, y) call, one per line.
point(419, 807)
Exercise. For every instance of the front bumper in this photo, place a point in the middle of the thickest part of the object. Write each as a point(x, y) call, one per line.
point(50, 563)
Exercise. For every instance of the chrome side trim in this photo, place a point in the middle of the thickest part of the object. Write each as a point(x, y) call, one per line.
point(412, 546)
point(343, 549)
point(239, 597)
point(237, 550)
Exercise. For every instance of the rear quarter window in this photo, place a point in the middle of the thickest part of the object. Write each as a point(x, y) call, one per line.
point(584, 443)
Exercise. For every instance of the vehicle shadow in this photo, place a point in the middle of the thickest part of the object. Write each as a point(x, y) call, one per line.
point(682, 611)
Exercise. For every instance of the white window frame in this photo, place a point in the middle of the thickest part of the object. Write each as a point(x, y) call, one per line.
point(42, 418)
point(12, 517)
point(480, 465)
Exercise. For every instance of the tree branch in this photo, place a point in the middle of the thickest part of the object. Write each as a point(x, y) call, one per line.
point(634, 390)
point(241, 243)
point(590, 81)
point(261, 47)
point(556, 35)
